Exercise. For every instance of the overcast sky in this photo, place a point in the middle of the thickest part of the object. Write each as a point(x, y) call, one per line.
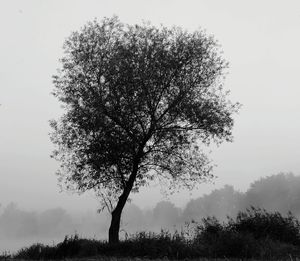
point(260, 39)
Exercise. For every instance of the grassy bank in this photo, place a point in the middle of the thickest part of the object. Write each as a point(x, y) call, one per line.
point(253, 234)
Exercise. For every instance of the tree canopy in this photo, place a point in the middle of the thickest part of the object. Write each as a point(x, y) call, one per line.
point(139, 101)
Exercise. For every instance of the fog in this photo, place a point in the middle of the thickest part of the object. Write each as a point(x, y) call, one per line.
point(260, 40)
point(279, 192)
point(19, 227)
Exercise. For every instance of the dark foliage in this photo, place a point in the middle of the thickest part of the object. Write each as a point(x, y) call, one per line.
point(253, 234)
point(263, 224)
point(71, 247)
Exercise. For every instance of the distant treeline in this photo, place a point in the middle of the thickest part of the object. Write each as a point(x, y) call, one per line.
point(53, 223)
point(274, 193)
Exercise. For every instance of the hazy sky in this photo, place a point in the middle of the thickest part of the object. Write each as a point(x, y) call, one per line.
point(260, 39)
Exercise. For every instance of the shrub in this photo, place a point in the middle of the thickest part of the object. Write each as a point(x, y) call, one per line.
point(254, 233)
point(36, 251)
point(217, 240)
point(262, 224)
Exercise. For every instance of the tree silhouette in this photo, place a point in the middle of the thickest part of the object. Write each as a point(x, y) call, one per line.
point(139, 101)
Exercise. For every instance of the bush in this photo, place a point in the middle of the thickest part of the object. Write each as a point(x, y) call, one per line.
point(262, 224)
point(254, 233)
point(36, 251)
point(71, 247)
point(217, 240)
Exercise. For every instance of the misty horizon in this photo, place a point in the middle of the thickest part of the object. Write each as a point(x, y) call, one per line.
point(279, 192)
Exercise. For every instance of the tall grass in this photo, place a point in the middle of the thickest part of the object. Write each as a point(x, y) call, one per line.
point(254, 233)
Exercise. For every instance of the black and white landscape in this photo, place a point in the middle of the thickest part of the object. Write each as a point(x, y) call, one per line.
point(231, 114)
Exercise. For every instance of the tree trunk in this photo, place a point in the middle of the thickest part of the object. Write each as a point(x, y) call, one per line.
point(113, 233)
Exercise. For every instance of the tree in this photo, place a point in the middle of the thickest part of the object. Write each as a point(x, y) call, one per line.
point(220, 203)
point(139, 101)
point(278, 192)
point(165, 214)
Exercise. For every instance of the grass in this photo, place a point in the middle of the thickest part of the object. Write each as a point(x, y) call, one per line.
point(106, 258)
